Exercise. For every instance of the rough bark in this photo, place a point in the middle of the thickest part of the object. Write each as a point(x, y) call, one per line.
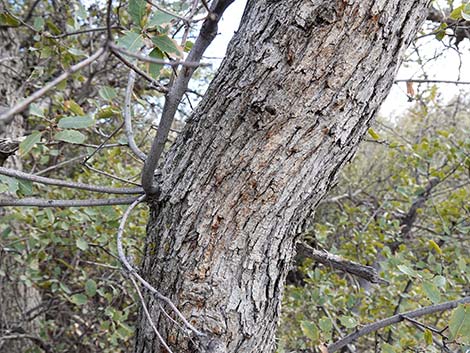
point(298, 88)
point(16, 299)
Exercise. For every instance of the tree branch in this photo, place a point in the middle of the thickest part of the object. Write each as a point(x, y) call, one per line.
point(393, 320)
point(39, 93)
point(366, 272)
point(177, 90)
point(68, 184)
point(128, 118)
point(33, 202)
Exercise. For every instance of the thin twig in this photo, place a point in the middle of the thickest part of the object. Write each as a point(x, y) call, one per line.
point(434, 81)
point(61, 164)
point(149, 59)
point(149, 317)
point(68, 184)
point(33, 202)
point(393, 320)
point(39, 93)
point(132, 271)
point(128, 118)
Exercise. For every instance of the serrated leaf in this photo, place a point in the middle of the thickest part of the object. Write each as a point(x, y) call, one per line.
point(75, 122)
point(73, 107)
point(82, 244)
point(137, 10)
point(309, 329)
point(154, 69)
point(107, 93)
point(373, 134)
point(131, 41)
point(167, 45)
point(70, 136)
point(432, 292)
point(79, 299)
point(90, 287)
point(348, 321)
point(29, 142)
point(459, 324)
point(428, 336)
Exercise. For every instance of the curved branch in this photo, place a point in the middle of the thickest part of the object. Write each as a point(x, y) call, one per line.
point(39, 93)
point(133, 272)
point(33, 202)
point(128, 118)
point(393, 320)
point(68, 184)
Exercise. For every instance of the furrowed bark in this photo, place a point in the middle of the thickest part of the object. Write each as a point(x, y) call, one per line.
point(298, 88)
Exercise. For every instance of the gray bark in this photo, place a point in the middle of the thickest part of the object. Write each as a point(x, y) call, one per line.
point(16, 299)
point(298, 88)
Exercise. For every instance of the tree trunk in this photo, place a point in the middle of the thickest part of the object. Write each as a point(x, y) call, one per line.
point(298, 88)
point(16, 299)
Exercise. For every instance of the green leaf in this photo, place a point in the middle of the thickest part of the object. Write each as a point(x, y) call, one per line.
point(79, 299)
point(38, 23)
point(159, 18)
point(131, 41)
point(35, 110)
point(29, 142)
point(11, 184)
point(137, 10)
point(167, 45)
point(82, 244)
point(459, 324)
point(70, 136)
point(25, 187)
point(428, 337)
point(107, 93)
point(309, 329)
point(154, 69)
point(188, 46)
point(348, 321)
point(90, 287)
point(432, 292)
point(407, 271)
point(373, 134)
point(435, 246)
point(456, 14)
point(75, 122)
point(73, 107)
point(8, 20)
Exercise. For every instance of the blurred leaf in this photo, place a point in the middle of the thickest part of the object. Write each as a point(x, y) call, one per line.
point(373, 134)
point(348, 321)
point(428, 337)
point(137, 10)
point(8, 20)
point(167, 45)
point(131, 41)
point(432, 292)
point(459, 324)
point(107, 93)
point(90, 287)
point(159, 18)
point(73, 107)
point(75, 122)
point(433, 245)
point(70, 136)
point(29, 142)
point(309, 330)
point(82, 244)
point(154, 69)
point(79, 299)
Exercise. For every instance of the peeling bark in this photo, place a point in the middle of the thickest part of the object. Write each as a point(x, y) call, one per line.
point(298, 88)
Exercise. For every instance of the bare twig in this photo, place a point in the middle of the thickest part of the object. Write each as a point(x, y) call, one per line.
point(39, 93)
point(149, 317)
point(133, 272)
point(33, 202)
point(178, 89)
point(433, 81)
point(173, 63)
point(61, 164)
point(68, 184)
point(128, 118)
point(393, 320)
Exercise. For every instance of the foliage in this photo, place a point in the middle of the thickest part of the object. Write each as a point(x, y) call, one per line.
point(402, 207)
